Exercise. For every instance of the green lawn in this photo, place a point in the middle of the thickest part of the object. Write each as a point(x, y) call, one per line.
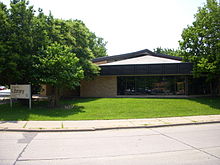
point(113, 108)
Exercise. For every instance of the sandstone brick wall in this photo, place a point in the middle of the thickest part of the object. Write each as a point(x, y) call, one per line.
point(67, 92)
point(43, 90)
point(101, 86)
point(46, 90)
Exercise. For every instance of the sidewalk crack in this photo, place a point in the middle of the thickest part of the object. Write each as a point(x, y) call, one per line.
point(28, 138)
point(25, 124)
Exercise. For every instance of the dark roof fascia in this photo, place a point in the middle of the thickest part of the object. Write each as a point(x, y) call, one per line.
point(147, 69)
point(133, 55)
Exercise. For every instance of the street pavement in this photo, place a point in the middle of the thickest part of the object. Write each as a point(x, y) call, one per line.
point(179, 145)
point(92, 125)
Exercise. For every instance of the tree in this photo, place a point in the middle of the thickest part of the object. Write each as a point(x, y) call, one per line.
point(22, 35)
point(167, 51)
point(28, 40)
point(85, 45)
point(16, 42)
point(58, 67)
point(5, 55)
point(200, 42)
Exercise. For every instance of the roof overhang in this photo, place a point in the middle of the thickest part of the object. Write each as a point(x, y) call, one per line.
point(134, 55)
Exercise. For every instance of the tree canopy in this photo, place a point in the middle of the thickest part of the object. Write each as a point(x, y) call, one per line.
point(25, 33)
point(167, 51)
point(36, 48)
point(200, 42)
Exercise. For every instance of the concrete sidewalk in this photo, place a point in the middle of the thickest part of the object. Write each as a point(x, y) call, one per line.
point(92, 125)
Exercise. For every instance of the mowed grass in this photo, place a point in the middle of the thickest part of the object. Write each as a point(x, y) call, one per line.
point(113, 108)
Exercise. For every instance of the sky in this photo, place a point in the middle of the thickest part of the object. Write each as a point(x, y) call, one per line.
point(128, 25)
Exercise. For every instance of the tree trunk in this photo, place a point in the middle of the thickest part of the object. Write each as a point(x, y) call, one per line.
point(54, 98)
point(214, 87)
point(57, 96)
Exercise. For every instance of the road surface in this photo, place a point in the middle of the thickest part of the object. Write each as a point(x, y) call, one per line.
point(197, 145)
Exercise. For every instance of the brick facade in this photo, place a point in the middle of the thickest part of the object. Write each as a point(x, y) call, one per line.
point(101, 86)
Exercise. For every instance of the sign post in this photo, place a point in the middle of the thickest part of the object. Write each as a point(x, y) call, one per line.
point(29, 96)
point(21, 92)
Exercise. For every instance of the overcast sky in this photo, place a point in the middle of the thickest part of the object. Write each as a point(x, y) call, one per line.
point(128, 25)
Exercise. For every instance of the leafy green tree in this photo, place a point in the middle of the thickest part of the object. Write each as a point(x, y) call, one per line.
point(83, 43)
point(58, 67)
point(15, 42)
point(21, 39)
point(200, 42)
point(28, 39)
point(167, 51)
point(7, 61)
point(97, 45)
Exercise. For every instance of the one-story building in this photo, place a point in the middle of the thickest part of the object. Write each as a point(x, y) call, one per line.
point(143, 73)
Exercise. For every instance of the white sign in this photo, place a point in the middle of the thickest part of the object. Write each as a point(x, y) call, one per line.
point(20, 91)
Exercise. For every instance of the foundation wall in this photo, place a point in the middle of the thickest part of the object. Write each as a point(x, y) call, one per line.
point(101, 86)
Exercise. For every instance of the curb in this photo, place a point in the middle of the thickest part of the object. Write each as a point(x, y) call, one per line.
point(104, 128)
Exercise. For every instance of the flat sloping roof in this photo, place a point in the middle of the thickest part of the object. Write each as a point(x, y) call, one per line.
point(146, 59)
point(134, 55)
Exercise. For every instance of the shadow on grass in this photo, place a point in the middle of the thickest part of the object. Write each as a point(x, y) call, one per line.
point(39, 110)
point(79, 100)
point(213, 102)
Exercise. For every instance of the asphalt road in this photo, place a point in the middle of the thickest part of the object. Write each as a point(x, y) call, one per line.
point(197, 144)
